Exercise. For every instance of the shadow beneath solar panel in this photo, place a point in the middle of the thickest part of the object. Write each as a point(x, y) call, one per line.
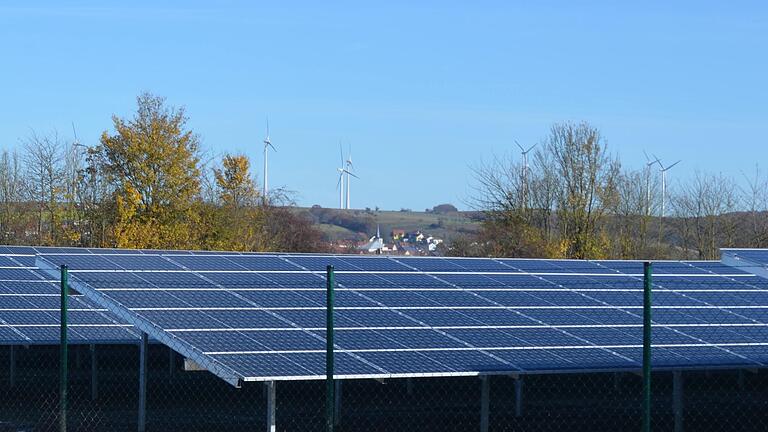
point(181, 400)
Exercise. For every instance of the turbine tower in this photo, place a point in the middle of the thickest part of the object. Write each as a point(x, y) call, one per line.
point(267, 145)
point(524, 152)
point(664, 170)
point(340, 183)
point(349, 167)
point(648, 164)
point(345, 169)
point(76, 142)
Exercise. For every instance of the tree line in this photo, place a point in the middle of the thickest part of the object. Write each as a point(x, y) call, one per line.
point(144, 185)
point(148, 184)
point(574, 199)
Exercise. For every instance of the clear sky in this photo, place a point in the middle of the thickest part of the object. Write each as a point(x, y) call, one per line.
point(422, 92)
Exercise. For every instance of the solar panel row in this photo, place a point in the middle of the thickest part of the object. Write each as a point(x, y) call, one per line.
point(29, 308)
point(261, 317)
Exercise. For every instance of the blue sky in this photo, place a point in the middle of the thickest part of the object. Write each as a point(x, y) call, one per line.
point(422, 92)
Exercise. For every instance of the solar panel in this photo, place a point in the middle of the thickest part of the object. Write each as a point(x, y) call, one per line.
point(262, 317)
point(30, 303)
point(749, 260)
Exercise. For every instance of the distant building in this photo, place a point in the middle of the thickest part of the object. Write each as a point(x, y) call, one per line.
point(398, 234)
point(414, 237)
point(375, 244)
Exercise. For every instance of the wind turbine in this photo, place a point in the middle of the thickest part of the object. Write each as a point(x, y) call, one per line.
point(349, 167)
point(267, 145)
point(664, 170)
point(524, 152)
point(76, 142)
point(648, 164)
point(340, 183)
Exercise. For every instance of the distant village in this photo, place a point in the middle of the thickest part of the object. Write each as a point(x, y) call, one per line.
point(402, 242)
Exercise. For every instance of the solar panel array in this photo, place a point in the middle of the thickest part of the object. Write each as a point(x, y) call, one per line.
point(262, 317)
point(30, 307)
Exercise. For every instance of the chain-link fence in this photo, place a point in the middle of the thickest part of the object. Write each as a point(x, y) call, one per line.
point(104, 396)
point(103, 392)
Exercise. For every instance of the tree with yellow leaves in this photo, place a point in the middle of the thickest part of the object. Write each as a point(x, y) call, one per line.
point(239, 222)
point(235, 186)
point(152, 161)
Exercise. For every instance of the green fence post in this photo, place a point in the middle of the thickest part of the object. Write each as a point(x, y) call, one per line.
point(647, 284)
point(330, 388)
point(63, 351)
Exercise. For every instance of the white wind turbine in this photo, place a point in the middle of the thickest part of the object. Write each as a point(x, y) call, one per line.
point(349, 167)
point(267, 145)
point(345, 169)
point(340, 183)
point(664, 170)
point(76, 142)
point(524, 152)
point(648, 164)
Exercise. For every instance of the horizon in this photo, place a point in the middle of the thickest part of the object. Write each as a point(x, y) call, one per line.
point(411, 88)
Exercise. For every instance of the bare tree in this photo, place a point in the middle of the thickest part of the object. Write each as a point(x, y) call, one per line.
point(11, 196)
point(498, 185)
point(570, 185)
point(587, 179)
point(544, 188)
point(43, 159)
point(756, 203)
point(628, 211)
point(705, 206)
point(515, 222)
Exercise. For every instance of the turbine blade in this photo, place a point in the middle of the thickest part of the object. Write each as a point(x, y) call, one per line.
point(649, 162)
point(531, 148)
point(341, 153)
point(521, 147)
point(670, 167)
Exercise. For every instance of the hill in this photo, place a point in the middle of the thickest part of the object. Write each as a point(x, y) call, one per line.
point(357, 224)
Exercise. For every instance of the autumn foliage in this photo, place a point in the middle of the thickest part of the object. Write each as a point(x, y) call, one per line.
point(143, 186)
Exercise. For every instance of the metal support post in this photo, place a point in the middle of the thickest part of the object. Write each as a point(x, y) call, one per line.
point(485, 403)
point(143, 348)
point(94, 376)
point(337, 404)
point(409, 386)
point(519, 397)
point(271, 406)
point(677, 399)
point(329, 345)
point(63, 353)
point(647, 284)
point(171, 362)
point(12, 365)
